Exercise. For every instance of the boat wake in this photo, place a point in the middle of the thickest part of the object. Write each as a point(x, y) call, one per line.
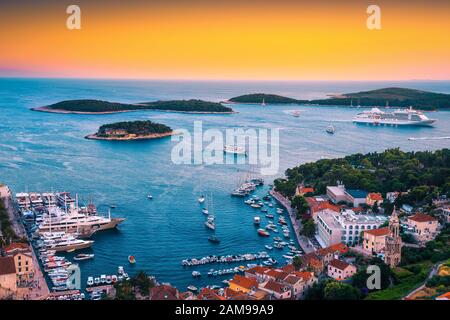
point(429, 138)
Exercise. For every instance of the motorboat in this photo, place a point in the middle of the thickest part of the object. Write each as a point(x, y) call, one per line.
point(263, 233)
point(83, 256)
point(201, 199)
point(257, 220)
point(330, 129)
point(131, 259)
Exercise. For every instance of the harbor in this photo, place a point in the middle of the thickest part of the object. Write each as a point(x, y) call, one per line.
point(161, 232)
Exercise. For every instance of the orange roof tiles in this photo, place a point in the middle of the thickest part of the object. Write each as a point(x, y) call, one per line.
point(275, 287)
point(420, 217)
point(244, 282)
point(378, 232)
point(375, 196)
point(16, 246)
point(339, 264)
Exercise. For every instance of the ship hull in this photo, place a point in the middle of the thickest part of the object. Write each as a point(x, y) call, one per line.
point(424, 123)
point(71, 247)
point(84, 231)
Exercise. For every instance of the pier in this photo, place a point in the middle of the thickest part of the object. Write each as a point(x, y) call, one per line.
point(302, 241)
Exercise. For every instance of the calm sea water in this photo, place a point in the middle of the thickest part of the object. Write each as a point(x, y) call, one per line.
point(42, 151)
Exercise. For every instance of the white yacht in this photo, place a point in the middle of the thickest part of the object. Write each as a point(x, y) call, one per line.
point(400, 117)
point(76, 222)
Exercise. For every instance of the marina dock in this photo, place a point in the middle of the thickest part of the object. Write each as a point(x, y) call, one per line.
point(302, 241)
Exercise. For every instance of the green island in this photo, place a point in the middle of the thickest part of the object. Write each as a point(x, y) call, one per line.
point(131, 130)
point(87, 106)
point(394, 97)
point(258, 98)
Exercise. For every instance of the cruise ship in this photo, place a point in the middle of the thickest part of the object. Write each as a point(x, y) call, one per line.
point(400, 117)
point(76, 222)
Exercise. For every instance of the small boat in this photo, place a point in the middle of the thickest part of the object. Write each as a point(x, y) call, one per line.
point(213, 239)
point(263, 233)
point(257, 220)
point(103, 278)
point(90, 281)
point(83, 256)
point(149, 196)
point(131, 259)
point(209, 223)
point(201, 199)
point(330, 129)
point(270, 216)
point(264, 210)
point(196, 274)
point(108, 280)
point(205, 211)
point(97, 281)
point(112, 206)
point(268, 247)
point(295, 113)
point(114, 278)
point(192, 288)
point(255, 205)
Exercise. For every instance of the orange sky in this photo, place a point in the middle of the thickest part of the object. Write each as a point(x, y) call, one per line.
point(279, 40)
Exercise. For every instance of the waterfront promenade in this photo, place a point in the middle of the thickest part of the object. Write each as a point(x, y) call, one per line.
point(302, 241)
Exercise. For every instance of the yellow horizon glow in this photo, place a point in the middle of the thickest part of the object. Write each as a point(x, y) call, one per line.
point(230, 42)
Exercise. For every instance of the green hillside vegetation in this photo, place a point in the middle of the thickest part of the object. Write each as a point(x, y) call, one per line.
point(133, 127)
point(268, 98)
point(394, 97)
point(425, 173)
point(106, 106)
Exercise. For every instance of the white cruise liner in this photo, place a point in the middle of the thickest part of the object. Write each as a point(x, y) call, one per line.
point(400, 117)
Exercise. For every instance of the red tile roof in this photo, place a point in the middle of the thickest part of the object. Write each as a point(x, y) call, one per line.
point(305, 275)
point(288, 268)
point(375, 196)
point(277, 274)
point(303, 190)
point(7, 265)
point(16, 246)
point(275, 287)
point(420, 217)
point(339, 264)
point(339, 247)
point(235, 295)
point(209, 294)
point(291, 279)
point(244, 282)
point(164, 292)
point(378, 232)
point(258, 269)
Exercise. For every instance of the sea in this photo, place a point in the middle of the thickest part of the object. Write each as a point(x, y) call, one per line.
point(47, 152)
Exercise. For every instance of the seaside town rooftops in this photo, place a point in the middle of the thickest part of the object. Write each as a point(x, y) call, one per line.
point(301, 190)
point(164, 292)
point(305, 275)
point(356, 193)
point(231, 294)
point(275, 286)
point(244, 282)
point(420, 217)
point(257, 270)
point(445, 296)
point(277, 274)
point(339, 264)
point(7, 266)
point(209, 294)
point(291, 279)
point(378, 232)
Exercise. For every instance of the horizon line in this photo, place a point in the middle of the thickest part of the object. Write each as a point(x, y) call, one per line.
point(219, 80)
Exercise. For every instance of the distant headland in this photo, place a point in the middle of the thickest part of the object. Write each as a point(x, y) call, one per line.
point(105, 107)
point(131, 130)
point(393, 97)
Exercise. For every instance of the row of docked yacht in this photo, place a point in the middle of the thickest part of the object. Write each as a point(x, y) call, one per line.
point(225, 259)
point(108, 279)
point(56, 268)
point(247, 187)
point(61, 241)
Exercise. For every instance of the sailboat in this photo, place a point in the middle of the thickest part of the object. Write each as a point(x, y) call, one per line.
point(210, 223)
point(263, 104)
point(330, 129)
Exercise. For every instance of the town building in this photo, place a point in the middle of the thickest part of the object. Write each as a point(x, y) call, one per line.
point(374, 241)
point(355, 197)
point(164, 292)
point(316, 261)
point(23, 260)
point(277, 290)
point(374, 197)
point(345, 226)
point(302, 190)
point(340, 270)
point(424, 227)
point(336, 194)
point(8, 278)
point(242, 284)
point(393, 251)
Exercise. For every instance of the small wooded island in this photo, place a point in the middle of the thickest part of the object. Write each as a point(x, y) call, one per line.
point(131, 130)
point(394, 97)
point(87, 106)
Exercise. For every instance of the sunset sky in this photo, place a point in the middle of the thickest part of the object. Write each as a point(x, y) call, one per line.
point(231, 40)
